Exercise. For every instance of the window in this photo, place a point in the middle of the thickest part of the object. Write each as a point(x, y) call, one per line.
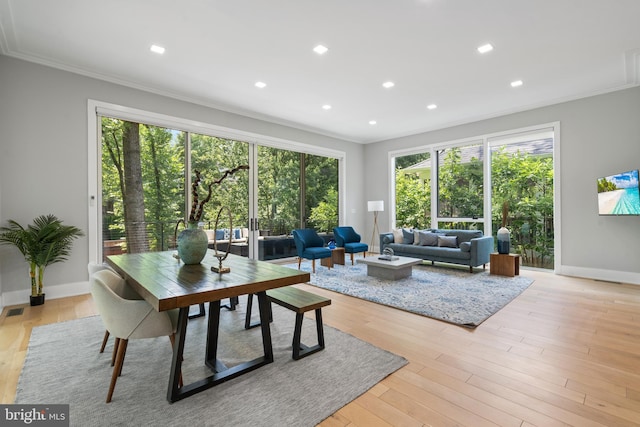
point(460, 186)
point(144, 174)
point(413, 190)
point(522, 194)
point(518, 169)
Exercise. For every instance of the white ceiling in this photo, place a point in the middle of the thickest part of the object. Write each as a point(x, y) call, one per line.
point(217, 50)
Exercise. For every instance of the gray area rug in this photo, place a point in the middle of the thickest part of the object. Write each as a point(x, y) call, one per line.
point(63, 366)
point(453, 295)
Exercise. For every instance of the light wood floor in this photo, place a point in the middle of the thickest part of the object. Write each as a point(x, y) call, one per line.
point(565, 352)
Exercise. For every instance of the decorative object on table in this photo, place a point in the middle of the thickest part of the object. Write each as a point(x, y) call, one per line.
point(387, 255)
point(375, 207)
point(332, 244)
point(193, 241)
point(220, 269)
point(43, 243)
point(504, 235)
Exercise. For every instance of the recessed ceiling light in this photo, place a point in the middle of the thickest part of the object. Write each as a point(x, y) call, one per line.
point(326, 107)
point(157, 49)
point(261, 85)
point(516, 83)
point(388, 85)
point(432, 106)
point(372, 122)
point(485, 48)
point(320, 50)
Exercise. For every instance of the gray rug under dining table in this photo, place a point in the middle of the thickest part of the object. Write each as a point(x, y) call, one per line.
point(63, 366)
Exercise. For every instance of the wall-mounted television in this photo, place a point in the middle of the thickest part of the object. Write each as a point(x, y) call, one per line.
point(619, 194)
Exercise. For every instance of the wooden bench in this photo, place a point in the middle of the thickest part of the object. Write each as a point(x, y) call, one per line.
point(300, 302)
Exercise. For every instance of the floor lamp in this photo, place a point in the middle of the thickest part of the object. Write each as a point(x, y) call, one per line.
point(375, 207)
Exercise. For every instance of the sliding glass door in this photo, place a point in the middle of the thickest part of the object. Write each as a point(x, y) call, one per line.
point(142, 186)
point(295, 190)
point(147, 174)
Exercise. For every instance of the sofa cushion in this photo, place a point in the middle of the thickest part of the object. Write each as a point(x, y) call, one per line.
point(465, 246)
point(427, 238)
point(429, 252)
point(447, 241)
point(464, 235)
point(407, 236)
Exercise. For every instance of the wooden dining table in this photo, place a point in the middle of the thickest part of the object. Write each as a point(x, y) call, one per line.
point(167, 283)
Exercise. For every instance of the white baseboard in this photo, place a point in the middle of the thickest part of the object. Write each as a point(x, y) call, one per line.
point(51, 292)
point(599, 274)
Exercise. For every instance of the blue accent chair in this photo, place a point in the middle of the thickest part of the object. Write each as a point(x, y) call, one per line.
point(347, 238)
point(309, 246)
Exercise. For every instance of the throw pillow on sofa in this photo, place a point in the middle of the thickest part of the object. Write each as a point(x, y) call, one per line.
point(407, 236)
point(398, 236)
point(427, 238)
point(448, 241)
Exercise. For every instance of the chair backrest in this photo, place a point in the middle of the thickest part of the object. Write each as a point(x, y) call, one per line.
point(345, 234)
point(125, 318)
point(119, 287)
point(306, 238)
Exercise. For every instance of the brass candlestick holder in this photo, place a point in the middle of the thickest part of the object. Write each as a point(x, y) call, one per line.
point(221, 256)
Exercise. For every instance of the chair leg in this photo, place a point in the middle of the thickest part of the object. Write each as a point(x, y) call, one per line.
point(352, 258)
point(104, 341)
point(123, 354)
point(116, 344)
point(299, 261)
point(122, 349)
point(313, 265)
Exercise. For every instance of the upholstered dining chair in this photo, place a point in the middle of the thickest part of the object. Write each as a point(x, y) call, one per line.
point(127, 319)
point(347, 238)
point(309, 246)
point(121, 288)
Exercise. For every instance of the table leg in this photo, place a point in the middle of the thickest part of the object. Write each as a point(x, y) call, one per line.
point(221, 372)
point(265, 314)
point(213, 326)
point(176, 362)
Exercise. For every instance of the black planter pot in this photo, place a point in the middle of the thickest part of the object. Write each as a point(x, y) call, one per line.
point(37, 299)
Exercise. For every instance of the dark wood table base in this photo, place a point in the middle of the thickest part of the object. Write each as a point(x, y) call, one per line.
point(221, 372)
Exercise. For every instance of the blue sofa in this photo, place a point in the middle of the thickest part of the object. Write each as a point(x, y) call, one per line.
point(466, 247)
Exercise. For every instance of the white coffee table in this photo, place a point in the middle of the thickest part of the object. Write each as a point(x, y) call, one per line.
point(390, 270)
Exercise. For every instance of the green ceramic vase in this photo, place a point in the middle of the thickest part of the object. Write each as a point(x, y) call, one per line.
point(192, 244)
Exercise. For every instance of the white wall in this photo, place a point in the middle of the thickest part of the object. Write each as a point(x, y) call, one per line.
point(599, 136)
point(43, 159)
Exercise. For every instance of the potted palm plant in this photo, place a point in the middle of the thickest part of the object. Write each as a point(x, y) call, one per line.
point(45, 242)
